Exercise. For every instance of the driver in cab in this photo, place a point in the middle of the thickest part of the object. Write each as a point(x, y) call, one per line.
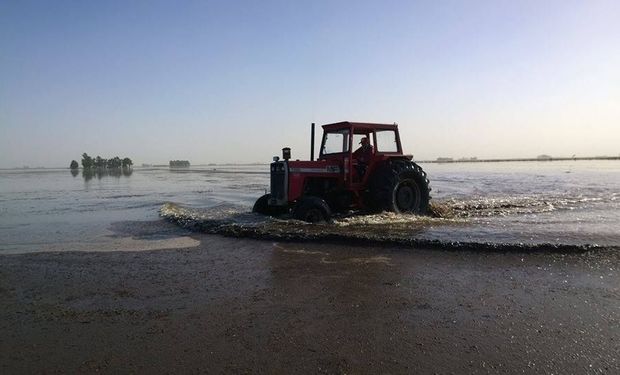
point(363, 155)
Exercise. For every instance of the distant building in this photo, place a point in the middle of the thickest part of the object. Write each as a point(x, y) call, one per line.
point(445, 160)
point(544, 157)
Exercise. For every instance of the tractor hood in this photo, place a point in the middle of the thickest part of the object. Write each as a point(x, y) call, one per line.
point(321, 167)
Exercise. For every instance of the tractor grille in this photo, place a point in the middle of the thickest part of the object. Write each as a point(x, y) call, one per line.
point(278, 180)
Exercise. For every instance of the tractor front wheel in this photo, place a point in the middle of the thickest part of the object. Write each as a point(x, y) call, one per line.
point(262, 207)
point(312, 210)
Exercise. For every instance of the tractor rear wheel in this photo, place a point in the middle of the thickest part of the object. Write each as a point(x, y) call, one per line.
point(399, 186)
point(312, 210)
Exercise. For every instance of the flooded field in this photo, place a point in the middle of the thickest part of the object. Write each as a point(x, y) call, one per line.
point(362, 294)
point(525, 205)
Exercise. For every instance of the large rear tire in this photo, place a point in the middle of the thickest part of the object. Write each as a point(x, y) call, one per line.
point(312, 210)
point(399, 186)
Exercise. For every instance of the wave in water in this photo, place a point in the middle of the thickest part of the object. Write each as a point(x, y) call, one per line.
point(384, 228)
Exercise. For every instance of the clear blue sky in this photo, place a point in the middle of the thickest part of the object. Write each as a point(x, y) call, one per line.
point(235, 81)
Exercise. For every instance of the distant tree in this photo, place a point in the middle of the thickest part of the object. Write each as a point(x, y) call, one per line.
point(127, 163)
point(179, 164)
point(87, 161)
point(114, 163)
point(100, 162)
point(100, 166)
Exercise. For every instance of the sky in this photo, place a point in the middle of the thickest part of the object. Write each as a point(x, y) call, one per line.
point(235, 81)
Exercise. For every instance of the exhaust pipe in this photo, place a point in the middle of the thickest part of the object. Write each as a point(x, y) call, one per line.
point(286, 153)
point(312, 142)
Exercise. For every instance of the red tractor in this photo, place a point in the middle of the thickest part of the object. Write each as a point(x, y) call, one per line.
point(375, 177)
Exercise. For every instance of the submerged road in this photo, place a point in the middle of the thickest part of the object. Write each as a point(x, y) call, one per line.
point(247, 306)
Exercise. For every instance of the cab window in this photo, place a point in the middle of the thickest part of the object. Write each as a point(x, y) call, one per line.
point(386, 141)
point(336, 142)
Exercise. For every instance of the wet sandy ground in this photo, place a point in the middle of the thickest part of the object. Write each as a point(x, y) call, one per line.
point(248, 306)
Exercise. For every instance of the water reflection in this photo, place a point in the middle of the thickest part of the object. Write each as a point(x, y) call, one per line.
point(88, 174)
point(75, 172)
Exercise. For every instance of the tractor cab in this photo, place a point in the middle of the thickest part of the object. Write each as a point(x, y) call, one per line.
point(359, 147)
point(361, 166)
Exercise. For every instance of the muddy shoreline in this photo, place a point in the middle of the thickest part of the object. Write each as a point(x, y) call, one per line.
point(238, 305)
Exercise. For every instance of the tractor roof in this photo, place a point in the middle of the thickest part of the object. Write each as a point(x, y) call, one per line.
point(359, 125)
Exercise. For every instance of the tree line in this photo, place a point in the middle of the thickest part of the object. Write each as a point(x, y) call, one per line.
point(179, 163)
point(99, 163)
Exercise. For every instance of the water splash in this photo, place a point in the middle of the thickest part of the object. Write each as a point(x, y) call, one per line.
point(384, 228)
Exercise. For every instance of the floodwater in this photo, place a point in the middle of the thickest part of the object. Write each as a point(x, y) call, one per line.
point(568, 203)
